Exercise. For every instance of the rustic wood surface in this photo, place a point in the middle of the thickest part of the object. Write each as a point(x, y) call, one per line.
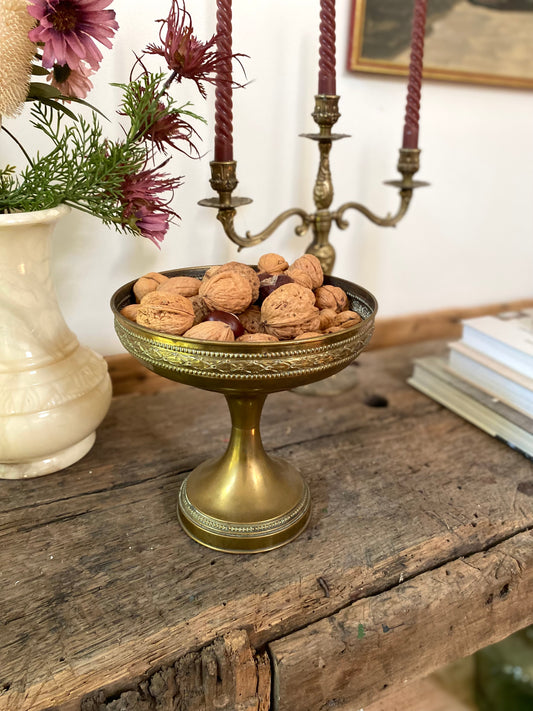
point(101, 590)
point(451, 689)
point(402, 634)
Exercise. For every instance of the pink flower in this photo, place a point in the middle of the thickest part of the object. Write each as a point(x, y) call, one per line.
point(151, 224)
point(68, 28)
point(186, 56)
point(143, 207)
point(167, 128)
point(71, 82)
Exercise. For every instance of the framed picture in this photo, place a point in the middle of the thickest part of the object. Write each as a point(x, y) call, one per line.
point(474, 41)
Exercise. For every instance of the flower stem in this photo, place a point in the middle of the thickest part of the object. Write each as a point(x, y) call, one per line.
point(19, 144)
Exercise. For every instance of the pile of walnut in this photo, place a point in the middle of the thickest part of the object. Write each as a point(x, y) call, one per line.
point(233, 302)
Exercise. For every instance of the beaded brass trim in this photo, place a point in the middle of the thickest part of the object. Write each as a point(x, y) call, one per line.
point(243, 365)
point(234, 530)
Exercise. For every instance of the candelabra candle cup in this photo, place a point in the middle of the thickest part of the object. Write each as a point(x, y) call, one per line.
point(245, 500)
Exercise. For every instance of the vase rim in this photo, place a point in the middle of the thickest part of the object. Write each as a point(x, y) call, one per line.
point(20, 218)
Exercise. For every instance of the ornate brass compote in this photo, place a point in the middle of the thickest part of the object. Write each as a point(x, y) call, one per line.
point(245, 501)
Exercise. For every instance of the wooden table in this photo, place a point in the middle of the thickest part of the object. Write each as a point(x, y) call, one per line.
point(419, 551)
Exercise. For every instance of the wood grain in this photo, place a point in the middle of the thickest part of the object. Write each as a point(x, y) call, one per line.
point(404, 633)
point(100, 588)
point(224, 675)
point(451, 689)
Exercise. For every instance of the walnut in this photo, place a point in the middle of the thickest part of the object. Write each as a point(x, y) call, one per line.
point(130, 311)
point(211, 331)
point(147, 283)
point(256, 338)
point(289, 311)
point(242, 269)
point(272, 263)
point(300, 277)
point(327, 318)
point(251, 319)
point(227, 291)
point(209, 272)
point(171, 313)
point(311, 265)
point(331, 297)
point(347, 319)
point(184, 285)
point(307, 334)
point(201, 309)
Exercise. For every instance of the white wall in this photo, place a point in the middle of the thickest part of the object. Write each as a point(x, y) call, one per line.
point(467, 239)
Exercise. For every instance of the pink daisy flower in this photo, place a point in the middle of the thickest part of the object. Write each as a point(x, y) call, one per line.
point(68, 30)
point(71, 82)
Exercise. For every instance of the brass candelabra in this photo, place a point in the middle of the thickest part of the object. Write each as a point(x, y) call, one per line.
point(326, 114)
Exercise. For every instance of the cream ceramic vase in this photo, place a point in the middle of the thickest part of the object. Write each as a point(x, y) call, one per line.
point(53, 392)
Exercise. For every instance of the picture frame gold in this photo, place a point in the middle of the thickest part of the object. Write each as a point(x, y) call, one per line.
point(470, 41)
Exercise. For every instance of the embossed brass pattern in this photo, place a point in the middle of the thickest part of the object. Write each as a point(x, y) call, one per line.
point(245, 500)
point(325, 114)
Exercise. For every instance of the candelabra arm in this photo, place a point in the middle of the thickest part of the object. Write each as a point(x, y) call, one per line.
point(224, 181)
point(408, 165)
point(387, 221)
point(226, 218)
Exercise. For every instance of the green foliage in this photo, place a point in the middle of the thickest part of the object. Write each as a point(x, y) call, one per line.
point(83, 168)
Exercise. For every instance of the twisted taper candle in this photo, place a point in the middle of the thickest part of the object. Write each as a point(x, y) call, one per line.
point(326, 61)
point(412, 110)
point(223, 85)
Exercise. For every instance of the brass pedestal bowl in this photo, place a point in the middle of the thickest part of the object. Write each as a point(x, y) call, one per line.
point(245, 501)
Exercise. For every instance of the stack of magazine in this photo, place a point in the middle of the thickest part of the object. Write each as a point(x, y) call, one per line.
point(487, 376)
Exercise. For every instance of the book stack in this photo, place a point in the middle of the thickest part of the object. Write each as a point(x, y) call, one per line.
point(487, 376)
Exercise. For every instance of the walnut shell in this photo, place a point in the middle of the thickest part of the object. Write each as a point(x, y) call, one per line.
point(347, 319)
point(256, 338)
point(201, 309)
point(130, 311)
point(307, 334)
point(184, 285)
point(170, 313)
point(227, 291)
point(211, 331)
point(311, 265)
point(327, 318)
point(331, 297)
point(147, 283)
point(289, 311)
point(300, 277)
point(251, 319)
point(272, 263)
point(242, 269)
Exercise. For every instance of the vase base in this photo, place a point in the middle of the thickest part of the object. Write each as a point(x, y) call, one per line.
point(47, 465)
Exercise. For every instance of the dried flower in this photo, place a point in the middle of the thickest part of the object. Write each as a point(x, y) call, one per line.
point(68, 29)
point(143, 207)
point(118, 181)
point(185, 55)
point(16, 53)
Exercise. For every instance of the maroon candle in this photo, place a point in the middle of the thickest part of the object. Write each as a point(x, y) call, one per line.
point(412, 110)
point(223, 85)
point(326, 54)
